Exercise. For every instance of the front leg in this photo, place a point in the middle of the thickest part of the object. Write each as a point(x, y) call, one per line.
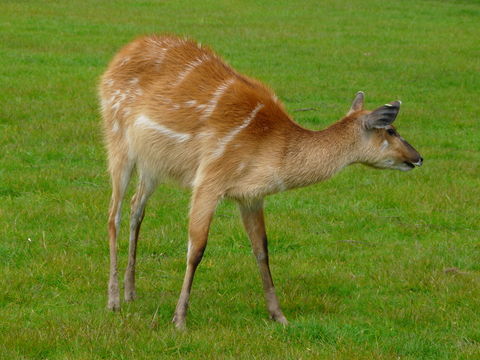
point(201, 212)
point(253, 220)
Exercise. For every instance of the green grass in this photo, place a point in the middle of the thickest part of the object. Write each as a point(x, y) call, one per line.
point(369, 265)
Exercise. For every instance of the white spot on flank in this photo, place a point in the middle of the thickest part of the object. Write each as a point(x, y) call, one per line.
point(145, 122)
point(116, 106)
point(229, 137)
point(133, 81)
point(161, 57)
point(204, 134)
point(212, 104)
point(162, 99)
point(124, 61)
point(190, 67)
point(201, 107)
point(115, 127)
point(190, 103)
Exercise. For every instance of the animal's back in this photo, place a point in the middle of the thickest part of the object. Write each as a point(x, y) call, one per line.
point(169, 104)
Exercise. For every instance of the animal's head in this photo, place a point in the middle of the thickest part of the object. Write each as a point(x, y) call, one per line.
point(382, 145)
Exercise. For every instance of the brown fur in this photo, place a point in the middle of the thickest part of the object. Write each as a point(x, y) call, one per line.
point(174, 110)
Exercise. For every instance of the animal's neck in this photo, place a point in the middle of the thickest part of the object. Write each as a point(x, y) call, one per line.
point(313, 156)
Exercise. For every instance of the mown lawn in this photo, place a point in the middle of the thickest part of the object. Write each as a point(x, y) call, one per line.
point(369, 265)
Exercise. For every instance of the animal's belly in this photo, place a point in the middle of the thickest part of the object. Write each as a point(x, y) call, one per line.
point(165, 157)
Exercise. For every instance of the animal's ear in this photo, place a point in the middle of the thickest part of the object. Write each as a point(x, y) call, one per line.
point(357, 103)
point(383, 116)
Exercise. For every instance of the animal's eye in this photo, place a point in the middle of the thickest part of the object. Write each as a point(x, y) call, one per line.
point(391, 132)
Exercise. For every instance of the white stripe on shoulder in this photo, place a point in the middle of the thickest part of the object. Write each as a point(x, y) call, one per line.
point(229, 137)
point(212, 104)
point(190, 67)
point(164, 46)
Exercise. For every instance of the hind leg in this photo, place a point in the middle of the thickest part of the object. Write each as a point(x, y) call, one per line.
point(120, 171)
point(145, 189)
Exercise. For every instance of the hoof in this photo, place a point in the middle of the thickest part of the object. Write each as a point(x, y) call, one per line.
point(179, 322)
point(113, 296)
point(114, 305)
point(130, 295)
point(279, 318)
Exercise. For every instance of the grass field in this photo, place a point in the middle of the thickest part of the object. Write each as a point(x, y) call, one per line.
point(369, 265)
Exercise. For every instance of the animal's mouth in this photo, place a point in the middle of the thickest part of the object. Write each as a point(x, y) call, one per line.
point(412, 165)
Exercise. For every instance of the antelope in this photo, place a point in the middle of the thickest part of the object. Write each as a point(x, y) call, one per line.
point(174, 110)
